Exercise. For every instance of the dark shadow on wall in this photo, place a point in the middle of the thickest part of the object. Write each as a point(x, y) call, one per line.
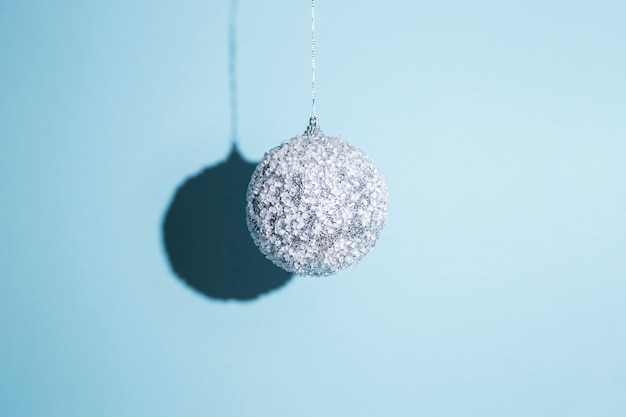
point(206, 238)
point(204, 231)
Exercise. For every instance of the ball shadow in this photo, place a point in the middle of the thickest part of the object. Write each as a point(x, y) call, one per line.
point(206, 238)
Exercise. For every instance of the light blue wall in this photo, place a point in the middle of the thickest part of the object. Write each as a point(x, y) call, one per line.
point(497, 288)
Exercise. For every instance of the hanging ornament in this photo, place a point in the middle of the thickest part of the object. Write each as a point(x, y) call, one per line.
point(316, 204)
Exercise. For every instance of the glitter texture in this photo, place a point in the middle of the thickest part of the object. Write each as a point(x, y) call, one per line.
point(316, 204)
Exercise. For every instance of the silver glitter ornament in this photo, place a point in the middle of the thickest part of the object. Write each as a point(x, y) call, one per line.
point(316, 204)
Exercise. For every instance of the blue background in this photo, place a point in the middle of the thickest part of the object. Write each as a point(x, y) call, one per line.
point(497, 288)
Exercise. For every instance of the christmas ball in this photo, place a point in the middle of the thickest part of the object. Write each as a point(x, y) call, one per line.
point(316, 204)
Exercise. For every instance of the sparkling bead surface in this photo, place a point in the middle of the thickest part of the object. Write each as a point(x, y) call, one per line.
point(316, 204)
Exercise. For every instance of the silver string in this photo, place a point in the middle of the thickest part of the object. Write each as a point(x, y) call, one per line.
point(313, 120)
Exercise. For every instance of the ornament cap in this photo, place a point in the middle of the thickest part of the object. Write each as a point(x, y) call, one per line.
point(313, 128)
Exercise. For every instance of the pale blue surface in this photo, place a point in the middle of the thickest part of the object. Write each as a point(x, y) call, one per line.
point(497, 289)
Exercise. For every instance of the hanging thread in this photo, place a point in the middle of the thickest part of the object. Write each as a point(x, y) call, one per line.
point(313, 120)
